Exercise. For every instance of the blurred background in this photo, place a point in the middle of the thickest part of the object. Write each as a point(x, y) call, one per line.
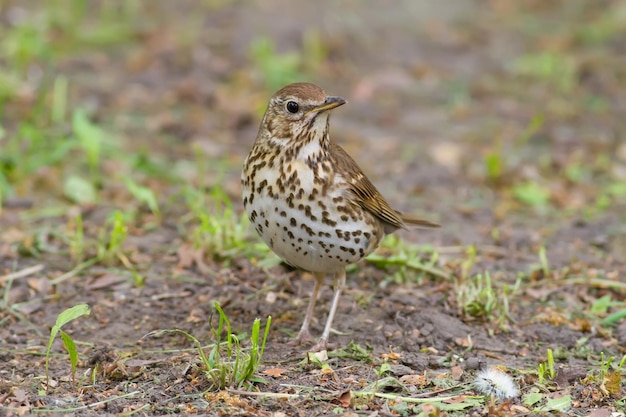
point(124, 125)
point(503, 120)
point(496, 106)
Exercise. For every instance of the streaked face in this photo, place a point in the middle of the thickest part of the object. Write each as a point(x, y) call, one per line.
point(298, 112)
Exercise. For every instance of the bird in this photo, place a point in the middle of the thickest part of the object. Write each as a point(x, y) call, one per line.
point(308, 199)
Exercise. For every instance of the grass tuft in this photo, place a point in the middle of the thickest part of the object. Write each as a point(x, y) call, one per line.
point(228, 364)
point(218, 229)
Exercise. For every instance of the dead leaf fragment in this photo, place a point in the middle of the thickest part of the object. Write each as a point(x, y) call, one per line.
point(274, 372)
point(344, 399)
point(456, 373)
point(417, 380)
point(105, 281)
point(391, 356)
point(19, 395)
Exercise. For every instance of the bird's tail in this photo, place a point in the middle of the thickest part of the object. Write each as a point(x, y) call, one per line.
point(413, 220)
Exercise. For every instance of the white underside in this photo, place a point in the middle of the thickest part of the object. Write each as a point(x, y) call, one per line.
point(318, 253)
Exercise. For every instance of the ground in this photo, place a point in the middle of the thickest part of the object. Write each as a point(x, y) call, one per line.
point(123, 130)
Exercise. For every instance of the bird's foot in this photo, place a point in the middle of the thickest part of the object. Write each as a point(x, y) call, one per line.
point(321, 345)
point(303, 338)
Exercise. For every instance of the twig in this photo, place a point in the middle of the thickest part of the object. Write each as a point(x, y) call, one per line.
point(581, 280)
point(276, 395)
point(80, 267)
point(83, 407)
point(397, 397)
point(284, 396)
point(21, 274)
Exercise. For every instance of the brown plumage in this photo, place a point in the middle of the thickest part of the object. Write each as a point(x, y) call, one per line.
point(369, 198)
point(308, 199)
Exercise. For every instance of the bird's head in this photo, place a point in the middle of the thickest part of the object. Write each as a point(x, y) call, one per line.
point(298, 114)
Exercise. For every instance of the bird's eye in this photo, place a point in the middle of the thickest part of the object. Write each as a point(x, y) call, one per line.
point(292, 107)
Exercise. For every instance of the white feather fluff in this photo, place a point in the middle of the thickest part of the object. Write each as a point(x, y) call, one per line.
point(496, 383)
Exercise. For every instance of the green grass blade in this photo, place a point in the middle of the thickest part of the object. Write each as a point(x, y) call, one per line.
point(70, 346)
point(224, 320)
point(143, 194)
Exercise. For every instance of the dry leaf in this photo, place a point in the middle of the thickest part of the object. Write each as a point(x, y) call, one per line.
point(456, 373)
point(104, 281)
point(196, 315)
point(19, 395)
point(274, 372)
point(391, 356)
point(344, 399)
point(418, 380)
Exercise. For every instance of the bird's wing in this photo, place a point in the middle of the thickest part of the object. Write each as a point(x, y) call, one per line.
point(369, 198)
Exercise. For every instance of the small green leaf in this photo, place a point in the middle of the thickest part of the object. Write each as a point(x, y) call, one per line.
point(79, 190)
point(384, 368)
point(617, 189)
point(532, 398)
point(62, 319)
point(90, 137)
point(72, 313)
point(70, 346)
point(558, 404)
point(59, 99)
point(531, 193)
point(550, 67)
point(277, 68)
point(494, 165)
point(575, 172)
point(601, 305)
point(143, 194)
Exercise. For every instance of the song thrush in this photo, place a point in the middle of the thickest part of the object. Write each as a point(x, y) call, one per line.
point(307, 198)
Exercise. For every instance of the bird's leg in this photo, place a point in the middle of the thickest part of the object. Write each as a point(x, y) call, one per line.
point(340, 282)
point(303, 334)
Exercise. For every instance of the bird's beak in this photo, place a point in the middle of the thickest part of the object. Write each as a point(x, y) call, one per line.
point(330, 103)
